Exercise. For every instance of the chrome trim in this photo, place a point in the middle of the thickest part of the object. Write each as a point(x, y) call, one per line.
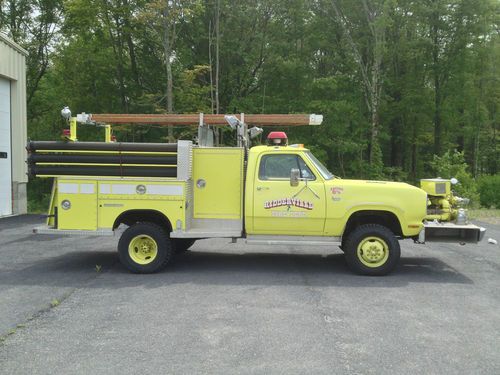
point(184, 160)
point(482, 232)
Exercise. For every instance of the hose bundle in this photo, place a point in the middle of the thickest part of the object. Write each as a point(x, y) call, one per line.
point(50, 159)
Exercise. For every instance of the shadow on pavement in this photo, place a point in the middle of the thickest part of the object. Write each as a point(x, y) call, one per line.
point(35, 238)
point(205, 268)
point(68, 270)
point(13, 222)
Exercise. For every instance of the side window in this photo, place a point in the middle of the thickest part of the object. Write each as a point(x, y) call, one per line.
point(305, 172)
point(279, 166)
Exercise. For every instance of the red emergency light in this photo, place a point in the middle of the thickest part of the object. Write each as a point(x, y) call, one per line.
point(277, 139)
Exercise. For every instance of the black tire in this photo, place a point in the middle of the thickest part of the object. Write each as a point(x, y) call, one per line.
point(152, 261)
point(182, 245)
point(382, 238)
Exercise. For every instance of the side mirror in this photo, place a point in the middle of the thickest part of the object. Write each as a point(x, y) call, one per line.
point(294, 177)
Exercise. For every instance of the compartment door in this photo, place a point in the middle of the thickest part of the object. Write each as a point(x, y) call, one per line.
point(283, 209)
point(218, 183)
point(82, 211)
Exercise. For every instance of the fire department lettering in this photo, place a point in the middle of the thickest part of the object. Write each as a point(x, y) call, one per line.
point(288, 202)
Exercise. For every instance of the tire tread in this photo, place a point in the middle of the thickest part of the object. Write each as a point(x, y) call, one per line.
point(150, 268)
point(366, 230)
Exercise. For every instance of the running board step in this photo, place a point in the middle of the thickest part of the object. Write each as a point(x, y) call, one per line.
point(45, 229)
point(205, 233)
point(293, 240)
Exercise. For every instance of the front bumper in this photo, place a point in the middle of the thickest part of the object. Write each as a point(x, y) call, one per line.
point(450, 232)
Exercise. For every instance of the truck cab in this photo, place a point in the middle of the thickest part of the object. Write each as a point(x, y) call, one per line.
point(317, 203)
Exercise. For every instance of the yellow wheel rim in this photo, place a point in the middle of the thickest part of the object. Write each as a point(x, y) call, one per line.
point(143, 249)
point(373, 252)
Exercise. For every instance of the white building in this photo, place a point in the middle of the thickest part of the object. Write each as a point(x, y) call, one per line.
point(13, 131)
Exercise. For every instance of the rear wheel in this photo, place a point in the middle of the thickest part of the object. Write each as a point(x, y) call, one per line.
point(182, 244)
point(145, 248)
point(372, 249)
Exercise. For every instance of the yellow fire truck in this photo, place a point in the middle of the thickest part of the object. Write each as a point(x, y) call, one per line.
point(168, 195)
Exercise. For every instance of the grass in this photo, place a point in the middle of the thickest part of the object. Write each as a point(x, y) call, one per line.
point(489, 215)
point(38, 206)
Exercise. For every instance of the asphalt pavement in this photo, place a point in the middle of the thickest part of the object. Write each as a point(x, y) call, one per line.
point(67, 306)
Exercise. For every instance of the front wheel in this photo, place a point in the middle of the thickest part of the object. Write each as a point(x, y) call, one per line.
point(372, 249)
point(145, 248)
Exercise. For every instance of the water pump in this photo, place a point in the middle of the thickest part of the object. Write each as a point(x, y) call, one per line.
point(442, 204)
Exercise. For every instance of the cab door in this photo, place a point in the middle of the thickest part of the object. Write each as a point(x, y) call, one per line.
point(280, 208)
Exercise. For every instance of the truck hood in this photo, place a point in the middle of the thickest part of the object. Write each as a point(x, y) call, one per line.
point(371, 184)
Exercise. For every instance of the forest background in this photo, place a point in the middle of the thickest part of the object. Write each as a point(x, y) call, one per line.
point(409, 89)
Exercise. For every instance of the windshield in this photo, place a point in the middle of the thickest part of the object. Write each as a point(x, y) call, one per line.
point(327, 175)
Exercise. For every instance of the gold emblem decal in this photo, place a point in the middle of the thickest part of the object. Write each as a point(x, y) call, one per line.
point(288, 202)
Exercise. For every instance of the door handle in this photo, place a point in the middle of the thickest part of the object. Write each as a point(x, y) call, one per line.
point(3, 155)
point(259, 188)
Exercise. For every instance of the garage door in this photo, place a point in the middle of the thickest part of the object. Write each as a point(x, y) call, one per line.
point(5, 150)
